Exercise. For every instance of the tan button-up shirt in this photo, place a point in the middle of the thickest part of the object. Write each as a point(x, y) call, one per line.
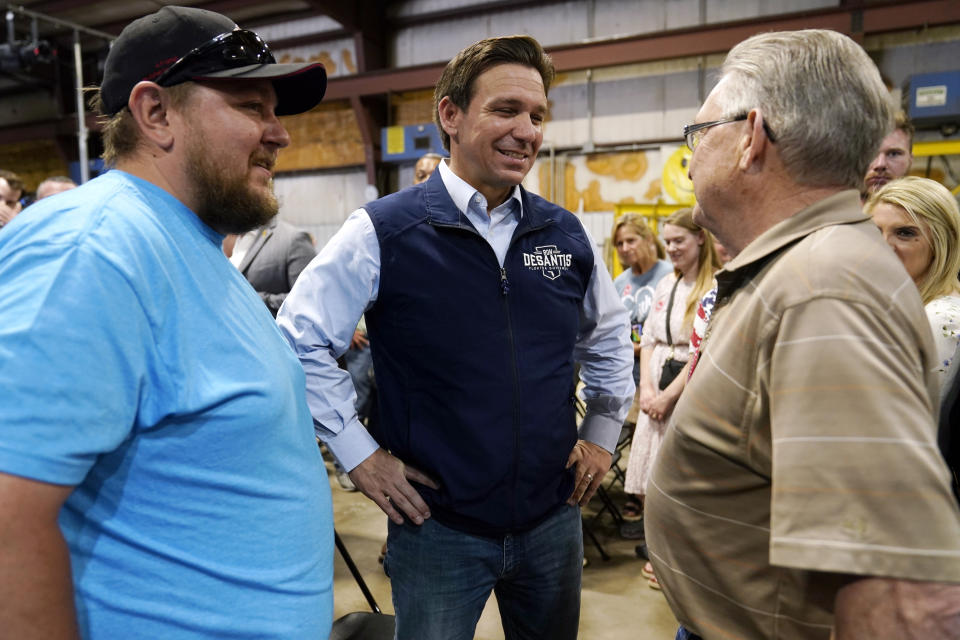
point(803, 451)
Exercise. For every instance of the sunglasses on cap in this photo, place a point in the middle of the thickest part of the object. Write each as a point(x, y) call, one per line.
point(238, 48)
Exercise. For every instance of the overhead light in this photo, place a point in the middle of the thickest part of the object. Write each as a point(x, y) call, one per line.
point(24, 56)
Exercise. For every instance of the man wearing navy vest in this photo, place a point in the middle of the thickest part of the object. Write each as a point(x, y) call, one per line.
point(480, 298)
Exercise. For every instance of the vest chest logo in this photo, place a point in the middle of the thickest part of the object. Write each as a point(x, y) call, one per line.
point(548, 260)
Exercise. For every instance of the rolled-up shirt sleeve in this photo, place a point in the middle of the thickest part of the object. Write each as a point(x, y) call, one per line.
point(605, 355)
point(318, 319)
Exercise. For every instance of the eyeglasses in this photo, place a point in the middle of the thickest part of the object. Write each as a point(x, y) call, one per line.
point(230, 50)
point(693, 133)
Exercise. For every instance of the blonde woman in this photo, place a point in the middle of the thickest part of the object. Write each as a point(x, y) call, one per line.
point(664, 344)
point(920, 221)
point(642, 256)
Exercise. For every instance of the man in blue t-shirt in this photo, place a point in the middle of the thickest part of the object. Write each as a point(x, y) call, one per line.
point(159, 476)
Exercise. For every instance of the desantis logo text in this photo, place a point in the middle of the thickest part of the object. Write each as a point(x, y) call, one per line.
point(548, 260)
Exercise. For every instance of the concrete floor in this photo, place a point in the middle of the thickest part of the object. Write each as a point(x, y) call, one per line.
point(616, 601)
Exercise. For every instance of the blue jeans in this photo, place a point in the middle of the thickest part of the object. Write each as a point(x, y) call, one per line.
point(442, 578)
point(683, 634)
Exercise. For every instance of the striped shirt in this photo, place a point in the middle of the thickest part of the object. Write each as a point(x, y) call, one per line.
point(803, 451)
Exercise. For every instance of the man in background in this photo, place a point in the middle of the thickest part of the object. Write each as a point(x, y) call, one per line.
point(11, 190)
point(271, 258)
point(799, 490)
point(426, 164)
point(894, 158)
point(54, 184)
point(159, 476)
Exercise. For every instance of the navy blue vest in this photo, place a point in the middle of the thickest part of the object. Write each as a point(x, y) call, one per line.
point(474, 363)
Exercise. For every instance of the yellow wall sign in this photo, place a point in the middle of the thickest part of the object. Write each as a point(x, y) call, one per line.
point(395, 140)
point(676, 182)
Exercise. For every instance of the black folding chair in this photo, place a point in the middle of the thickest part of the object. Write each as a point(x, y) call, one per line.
point(361, 625)
point(602, 494)
point(607, 505)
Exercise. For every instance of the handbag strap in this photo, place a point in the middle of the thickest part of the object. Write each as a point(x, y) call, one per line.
point(673, 292)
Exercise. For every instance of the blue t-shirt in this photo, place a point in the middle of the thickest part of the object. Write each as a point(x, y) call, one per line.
point(636, 291)
point(139, 366)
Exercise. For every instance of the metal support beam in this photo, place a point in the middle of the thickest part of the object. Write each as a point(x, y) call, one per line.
point(346, 12)
point(45, 130)
point(377, 82)
point(370, 113)
point(936, 148)
point(679, 43)
point(311, 38)
point(82, 134)
point(467, 11)
point(50, 7)
point(900, 16)
point(369, 40)
point(226, 7)
point(60, 23)
point(852, 17)
point(81, 126)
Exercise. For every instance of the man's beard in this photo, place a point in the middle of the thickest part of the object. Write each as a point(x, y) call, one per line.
point(227, 202)
point(869, 188)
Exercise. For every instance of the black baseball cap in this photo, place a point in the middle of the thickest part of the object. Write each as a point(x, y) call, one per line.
point(177, 44)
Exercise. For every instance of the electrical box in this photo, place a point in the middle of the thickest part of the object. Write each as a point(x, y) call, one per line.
point(96, 168)
point(935, 99)
point(401, 144)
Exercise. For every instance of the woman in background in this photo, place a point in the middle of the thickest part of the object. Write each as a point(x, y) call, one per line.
point(920, 221)
point(664, 344)
point(642, 257)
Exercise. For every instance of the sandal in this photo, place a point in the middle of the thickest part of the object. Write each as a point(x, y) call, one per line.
point(647, 572)
point(653, 583)
point(632, 509)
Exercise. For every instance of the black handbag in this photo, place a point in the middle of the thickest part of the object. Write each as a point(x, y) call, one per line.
point(671, 368)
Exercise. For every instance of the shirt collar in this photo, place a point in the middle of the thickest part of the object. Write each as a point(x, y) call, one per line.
point(461, 193)
point(840, 208)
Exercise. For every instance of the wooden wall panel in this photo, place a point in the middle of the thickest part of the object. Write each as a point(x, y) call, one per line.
point(33, 161)
point(326, 136)
point(412, 107)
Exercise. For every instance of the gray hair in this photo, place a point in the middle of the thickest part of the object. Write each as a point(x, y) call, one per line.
point(58, 180)
point(820, 94)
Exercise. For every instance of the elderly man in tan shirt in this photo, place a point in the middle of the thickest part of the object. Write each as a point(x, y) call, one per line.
point(799, 492)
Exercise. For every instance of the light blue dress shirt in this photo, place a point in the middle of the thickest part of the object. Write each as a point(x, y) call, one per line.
point(321, 312)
